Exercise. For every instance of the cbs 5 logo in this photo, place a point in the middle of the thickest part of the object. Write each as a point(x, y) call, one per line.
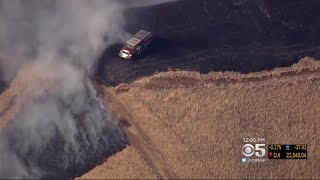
point(259, 150)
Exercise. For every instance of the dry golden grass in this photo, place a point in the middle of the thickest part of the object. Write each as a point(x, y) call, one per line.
point(200, 129)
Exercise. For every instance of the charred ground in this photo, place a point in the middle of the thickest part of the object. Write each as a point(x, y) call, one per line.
point(238, 35)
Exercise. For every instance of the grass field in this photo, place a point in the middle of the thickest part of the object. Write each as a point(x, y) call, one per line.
point(198, 122)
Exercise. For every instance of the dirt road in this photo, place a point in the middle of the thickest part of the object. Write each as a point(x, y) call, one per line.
point(139, 139)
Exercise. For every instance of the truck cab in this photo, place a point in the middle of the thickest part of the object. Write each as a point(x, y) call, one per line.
point(136, 45)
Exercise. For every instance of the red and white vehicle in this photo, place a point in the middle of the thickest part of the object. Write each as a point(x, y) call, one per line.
point(136, 45)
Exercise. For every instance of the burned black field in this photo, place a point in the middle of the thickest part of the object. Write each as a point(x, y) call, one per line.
point(236, 35)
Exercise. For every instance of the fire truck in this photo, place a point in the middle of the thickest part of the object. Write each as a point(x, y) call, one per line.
point(136, 45)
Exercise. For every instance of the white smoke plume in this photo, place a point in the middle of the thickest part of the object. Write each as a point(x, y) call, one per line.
point(64, 125)
point(64, 27)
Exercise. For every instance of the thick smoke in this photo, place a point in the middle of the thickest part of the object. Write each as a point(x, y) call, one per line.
point(77, 30)
point(63, 124)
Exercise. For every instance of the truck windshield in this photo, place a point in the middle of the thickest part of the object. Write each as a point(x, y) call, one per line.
point(129, 46)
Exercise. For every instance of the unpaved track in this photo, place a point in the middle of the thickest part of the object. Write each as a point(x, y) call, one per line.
point(139, 139)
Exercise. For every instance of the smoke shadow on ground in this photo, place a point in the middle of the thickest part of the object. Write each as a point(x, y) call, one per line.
point(216, 35)
point(55, 148)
